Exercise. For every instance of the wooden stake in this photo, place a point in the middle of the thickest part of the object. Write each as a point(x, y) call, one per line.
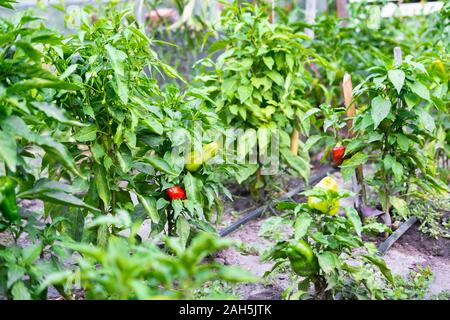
point(341, 7)
point(310, 16)
point(294, 141)
point(273, 11)
point(347, 89)
point(140, 12)
point(398, 55)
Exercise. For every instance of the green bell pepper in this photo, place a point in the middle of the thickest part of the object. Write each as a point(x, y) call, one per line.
point(8, 204)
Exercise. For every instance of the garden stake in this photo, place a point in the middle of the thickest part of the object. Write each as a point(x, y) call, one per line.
point(310, 15)
point(398, 55)
point(341, 8)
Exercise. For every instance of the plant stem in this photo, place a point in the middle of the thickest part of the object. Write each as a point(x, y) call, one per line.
point(360, 179)
point(170, 223)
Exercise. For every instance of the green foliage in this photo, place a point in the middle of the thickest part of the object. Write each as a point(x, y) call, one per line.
point(431, 212)
point(413, 287)
point(23, 268)
point(126, 269)
point(348, 266)
point(394, 127)
point(259, 77)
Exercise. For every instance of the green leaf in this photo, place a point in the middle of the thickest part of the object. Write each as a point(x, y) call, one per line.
point(354, 145)
point(245, 171)
point(381, 264)
point(403, 141)
point(97, 152)
point(354, 219)
point(236, 274)
point(38, 83)
point(411, 99)
point(193, 186)
point(328, 261)
point(66, 199)
point(356, 160)
point(31, 253)
point(397, 77)
point(160, 164)
point(20, 291)
point(153, 125)
point(268, 61)
point(301, 225)
point(312, 140)
point(15, 273)
point(52, 111)
point(122, 90)
point(45, 185)
point(58, 151)
point(29, 50)
point(116, 58)
point(297, 163)
point(420, 89)
point(183, 229)
point(347, 173)
point(229, 87)
point(102, 184)
point(7, 3)
point(284, 205)
point(71, 69)
point(276, 77)
point(149, 204)
point(397, 169)
point(8, 150)
point(380, 110)
point(388, 161)
point(245, 92)
point(427, 120)
point(86, 134)
point(401, 206)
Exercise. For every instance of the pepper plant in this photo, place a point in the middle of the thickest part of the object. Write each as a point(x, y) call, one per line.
point(112, 61)
point(326, 252)
point(183, 157)
point(29, 118)
point(132, 142)
point(393, 128)
point(259, 77)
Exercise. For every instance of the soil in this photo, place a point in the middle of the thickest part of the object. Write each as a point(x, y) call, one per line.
point(426, 245)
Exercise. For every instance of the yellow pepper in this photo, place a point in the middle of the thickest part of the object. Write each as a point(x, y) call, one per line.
point(195, 159)
point(323, 205)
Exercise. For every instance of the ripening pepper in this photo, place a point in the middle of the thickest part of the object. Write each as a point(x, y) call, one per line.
point(195, 159)
point(338, 155)
point(326, 206)
point(176, 192)
point(302, 258)
point(8, 204)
